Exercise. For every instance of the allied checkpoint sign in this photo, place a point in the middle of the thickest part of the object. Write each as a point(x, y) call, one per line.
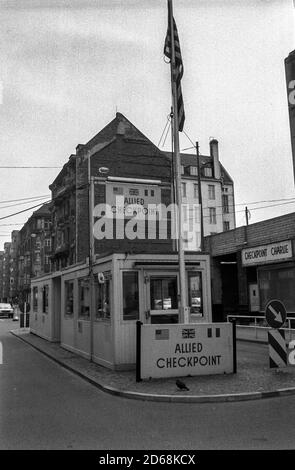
point(178, 350)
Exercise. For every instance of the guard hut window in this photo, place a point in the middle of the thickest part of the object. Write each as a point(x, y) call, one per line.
point(69, 298)
point(84, 299)
point(164, 293)
point(195, 292)
point(130, 295)
point(45, 298)
point(35, 299)
point(102, 300)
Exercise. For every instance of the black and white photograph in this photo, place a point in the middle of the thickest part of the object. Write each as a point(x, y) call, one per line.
point(147, 229)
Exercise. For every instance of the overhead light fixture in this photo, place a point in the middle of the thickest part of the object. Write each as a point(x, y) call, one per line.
point(103, 170)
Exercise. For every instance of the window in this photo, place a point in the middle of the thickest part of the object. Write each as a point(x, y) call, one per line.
point(130, 295)
point(225, 226)
point(196, 193)
point(163, 293)
point(47, 242)
point(211, 191)
point(225, 207)
point(134, 192)
point(47, 259)
point(39, 223)
point(195, 292)
point(103, 300)
point(277, 283)
point(152, 192)
point(45, 298)
point(146, 192)
point(35, 299)
point(208, 171)
point(183, 185)
point(118, 190)
point(212, 215)
point(84, 299)
point(194, 170)
point(69, 298)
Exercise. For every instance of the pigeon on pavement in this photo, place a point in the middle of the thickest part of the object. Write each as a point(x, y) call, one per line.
point(181, 385)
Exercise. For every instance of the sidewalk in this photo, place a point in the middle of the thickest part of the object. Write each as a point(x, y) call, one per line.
point(254, 378)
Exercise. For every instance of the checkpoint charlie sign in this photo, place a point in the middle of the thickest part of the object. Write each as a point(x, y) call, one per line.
point(178, 350)
point(267, 253)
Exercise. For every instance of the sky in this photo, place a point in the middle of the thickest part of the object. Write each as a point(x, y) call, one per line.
point(66, 67)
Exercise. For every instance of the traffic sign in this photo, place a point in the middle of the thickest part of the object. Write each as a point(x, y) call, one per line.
point(275, 313)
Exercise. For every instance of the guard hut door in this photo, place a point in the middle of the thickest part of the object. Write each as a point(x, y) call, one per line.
point(161, 297)
point(254, 297)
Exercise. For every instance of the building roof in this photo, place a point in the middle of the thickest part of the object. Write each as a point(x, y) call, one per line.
point(189, 159)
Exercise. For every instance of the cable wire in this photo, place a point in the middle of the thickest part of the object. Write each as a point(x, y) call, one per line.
point(25, 198)
point(25, 210)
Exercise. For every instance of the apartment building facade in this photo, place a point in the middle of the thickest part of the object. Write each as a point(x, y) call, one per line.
point(6, 272)
point(34, 250)
point(217, 191)
point(13, 265)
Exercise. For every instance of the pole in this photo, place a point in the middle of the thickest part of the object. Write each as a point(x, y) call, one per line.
point(234, 324)
point(91, 250)
point(138, 351)
point(247, 215)
point(200, 197)
point(184, 318)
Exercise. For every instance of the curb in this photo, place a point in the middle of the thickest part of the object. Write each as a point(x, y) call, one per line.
point(229, 397)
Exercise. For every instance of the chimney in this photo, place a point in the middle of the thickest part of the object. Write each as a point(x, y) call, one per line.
point(215, 157)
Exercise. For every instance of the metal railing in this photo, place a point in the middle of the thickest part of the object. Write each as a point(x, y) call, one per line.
point(261, 319)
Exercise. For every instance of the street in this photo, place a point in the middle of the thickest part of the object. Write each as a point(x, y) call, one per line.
point(43, 406)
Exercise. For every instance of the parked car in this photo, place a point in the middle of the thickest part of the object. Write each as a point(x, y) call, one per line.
point(6, 310)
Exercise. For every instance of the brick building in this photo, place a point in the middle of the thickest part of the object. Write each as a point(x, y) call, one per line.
point(1, 275)
point(13, 265)
point(34, 249)
point(127, 158)
point(6, 272)
point(253, 264)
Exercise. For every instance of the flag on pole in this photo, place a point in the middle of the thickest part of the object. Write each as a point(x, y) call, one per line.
point(177, 71)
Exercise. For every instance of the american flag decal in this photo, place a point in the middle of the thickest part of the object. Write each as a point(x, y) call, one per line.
point(188, 333)
point(178, 71)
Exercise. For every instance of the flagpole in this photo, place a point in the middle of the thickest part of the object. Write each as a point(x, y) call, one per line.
point(184, 317)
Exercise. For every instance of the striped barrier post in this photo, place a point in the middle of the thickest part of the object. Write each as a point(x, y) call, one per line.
point(277, 348)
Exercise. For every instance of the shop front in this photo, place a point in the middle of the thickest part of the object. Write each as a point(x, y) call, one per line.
point(273, 267)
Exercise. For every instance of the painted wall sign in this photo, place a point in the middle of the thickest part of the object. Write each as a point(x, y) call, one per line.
point(181, 350)
point(125, 198)
point(267, 253)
